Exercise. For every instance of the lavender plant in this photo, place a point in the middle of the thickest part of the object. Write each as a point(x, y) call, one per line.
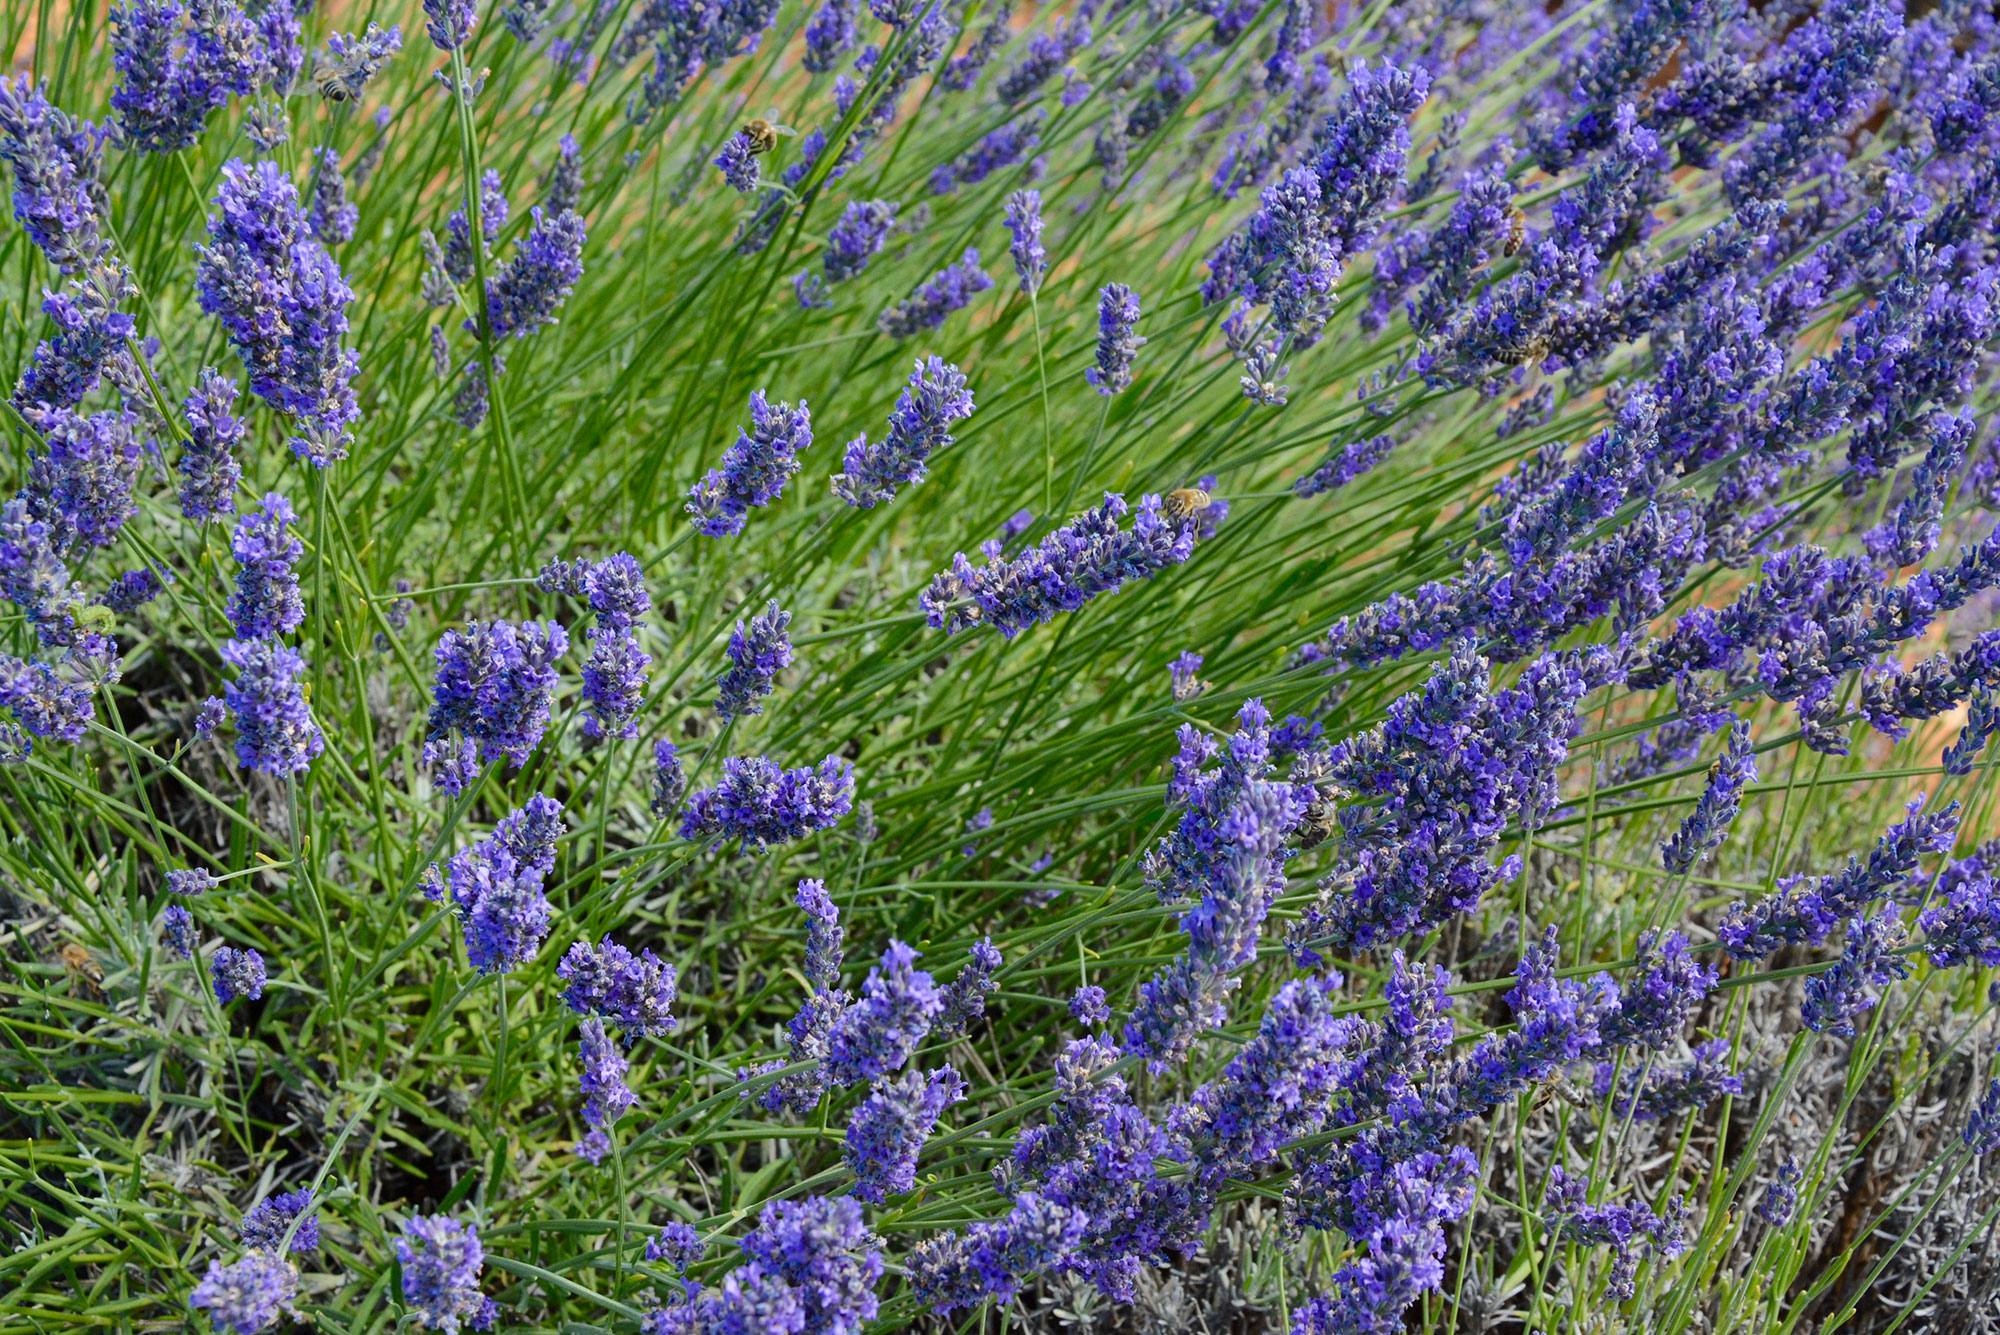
point(1395, 734)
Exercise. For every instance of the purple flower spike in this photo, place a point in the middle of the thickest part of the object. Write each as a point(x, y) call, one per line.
point(441, 1259)
point(756, 657)
point(738, 161)
point(1086, 557)
point(898, 1006)
point(1024, 222)
point(494, 685)
point(249, 1296)
point(275, 732)
point(945, 292)
point(283, 303)
point(634, 992)
point(919, 426)
point(267, 602)
point(525, 296)
point(264, 1224)
point(886, 1132)
point(754, 470)
point(762, 804)
point(236, 973)
point(1117, 342)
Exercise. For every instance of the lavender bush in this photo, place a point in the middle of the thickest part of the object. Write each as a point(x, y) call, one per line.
point(1392, 732)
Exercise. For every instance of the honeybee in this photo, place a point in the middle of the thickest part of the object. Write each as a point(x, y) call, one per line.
point(1321, 818)
point(764, 130)
point(1186, 503)
point(1517, 233)
point(334, 83)
point(77, 962)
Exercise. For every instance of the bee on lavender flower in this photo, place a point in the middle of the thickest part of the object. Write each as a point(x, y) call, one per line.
point(332, 83)
point(1183, 505)
point(1517, 234)
point(1322, 816)
point(763, 131)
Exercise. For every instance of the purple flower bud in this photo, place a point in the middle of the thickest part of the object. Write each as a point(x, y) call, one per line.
point(1781, 1197)
point(946, 291)
point(283, 303)
point(965, 997)
point(677, 1244)
point(330, 218)
point(249, 1296)
point(494, 685)
point(1024, 222)
point(738, 161)
point(1089, 1006)
point(756, 657)
point(669, 783)
point(1088, 556)
point(450, 22)
point(824, 935)
point(897, 1008)
point(634, 992)
point(177, 931)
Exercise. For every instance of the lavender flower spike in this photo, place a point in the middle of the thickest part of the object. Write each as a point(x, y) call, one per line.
point(441, 1258)
point(754, 470)
point(1088, 556)
point(209, 471)
point(1024, 221)
point(275, 732)
point(525, 296)
point(494, 683)
point(283, 303)
point(267, 602)
point(919, 426)
point(946, 291)
point(1117, 343)
point(756, 657)
point(236, 973)
point(738, 161)
point(248, 1296)
point(761, 804)
point(886, 1132)
point(1705, 829)
point(899, 1005)
point(450, 22)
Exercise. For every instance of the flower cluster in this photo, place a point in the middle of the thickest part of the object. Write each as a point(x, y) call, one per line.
point(441, 1258)
point(1088, 556)
point(1227, 854)
point(919, 426)
point(810, 1266)
point(283, 303)
point(887, 1130)
point(944, 292)
point(761, 803)
point(496, 886)
point(756, 657)
point(491, 699)
point(754, 470)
